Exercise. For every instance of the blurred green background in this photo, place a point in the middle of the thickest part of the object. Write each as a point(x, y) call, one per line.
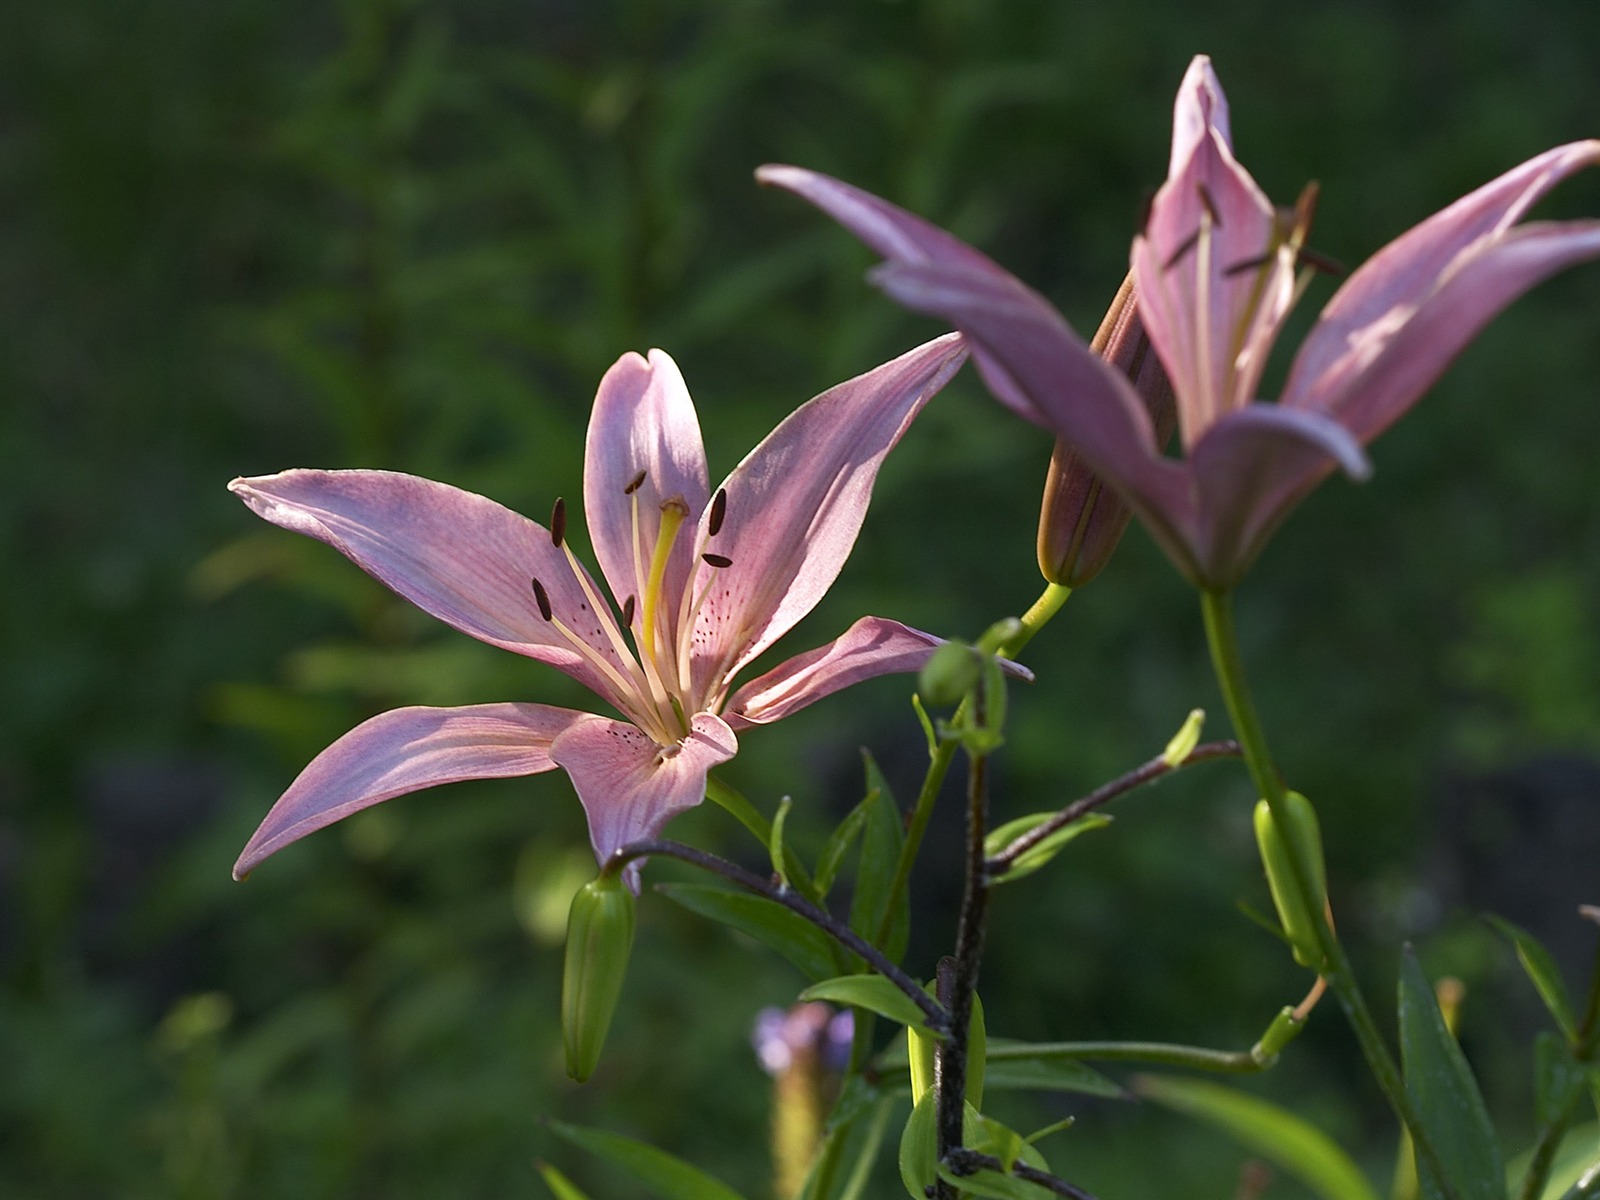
point(245, 235)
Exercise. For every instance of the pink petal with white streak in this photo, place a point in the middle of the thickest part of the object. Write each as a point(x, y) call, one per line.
point(643, 420)
point(630, 786)
point(406, 750)
point(456, 555)
point(796, 503)
point(1211, 325)
point(871, 647)
point(1410, 309)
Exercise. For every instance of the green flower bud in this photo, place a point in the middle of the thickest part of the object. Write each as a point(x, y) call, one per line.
point(950, 673)
point(1297, 840)
point(1081, 520)
point(599, 937)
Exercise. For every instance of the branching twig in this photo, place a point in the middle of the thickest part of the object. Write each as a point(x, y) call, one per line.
point(966, 1161)
point(1150, 771)
point(938, 1018)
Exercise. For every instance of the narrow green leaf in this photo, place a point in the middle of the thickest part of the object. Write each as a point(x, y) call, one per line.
point(1575, 1156)
point(1061, 1126)
point(769, 922)
point(1542, 971)
point(1557, 1077)
point(1291, 1142)
point(926, 722)
point(1037, 856)
point(661, 1173)
point(1445, 1094)
point(560, 1186)
point(988, 1136)
point(919, 1148)
point(775, 846)
point(1049, 1075)
point(995, 1185)
point(880, 855)
point(855, 1187)
point(871, 992)
point(839, 843)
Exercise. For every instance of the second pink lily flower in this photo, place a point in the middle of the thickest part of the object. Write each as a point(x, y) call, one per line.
point(702, 583)
point(1216, 270)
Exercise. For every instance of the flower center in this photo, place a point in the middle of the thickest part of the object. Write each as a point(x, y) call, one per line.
point(653, 681)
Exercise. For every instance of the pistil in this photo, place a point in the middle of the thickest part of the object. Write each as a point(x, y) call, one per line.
point(673, 513)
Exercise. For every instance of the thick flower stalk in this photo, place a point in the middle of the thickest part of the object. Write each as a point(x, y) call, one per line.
point(700, 581)
point(1216, 269)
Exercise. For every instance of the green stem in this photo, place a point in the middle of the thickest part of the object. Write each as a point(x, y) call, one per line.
point(1038, 615)
point(1217, 608)
point(1046, 606)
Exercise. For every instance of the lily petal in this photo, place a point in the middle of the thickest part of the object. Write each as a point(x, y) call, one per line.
point(456, 555)
point(1211, 324)
point(630, 787)
point(901, 237)
point(796, 503)
point(871, 647)
point(643, 420)
point(1086, 402)
point(1250, 470)
point(1409, 310)
point(406, 750)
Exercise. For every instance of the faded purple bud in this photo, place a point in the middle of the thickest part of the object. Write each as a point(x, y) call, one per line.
point(1081, 520)
point(805, 1035)
point(805, 1049)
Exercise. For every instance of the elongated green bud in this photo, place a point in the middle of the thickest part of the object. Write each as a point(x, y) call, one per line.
point(599, 937)
point(1299, 839)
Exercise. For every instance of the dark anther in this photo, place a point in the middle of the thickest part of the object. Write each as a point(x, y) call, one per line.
point(627, 610)
point(635, 483)
point(542, 598)
point(719, 509)
point(1147, 203)
point(1209, 204)
point(1321, 262)
point(558, 523)
point(718, 560)
point(1250, 264)
point(1184, 247)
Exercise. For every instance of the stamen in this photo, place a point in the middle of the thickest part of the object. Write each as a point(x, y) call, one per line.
point(719, 510)
point(1321, 262)
point(627, 610)
point(718, 560)
point(635, 483)
point(602, 613)
point(558, 523)
point(1250, 264)
point(1209, 204)
point(1184, 247)
point(542, 598)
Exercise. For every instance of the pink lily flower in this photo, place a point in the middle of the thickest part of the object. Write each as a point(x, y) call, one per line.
point(1216, 270)
point(704, 582)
